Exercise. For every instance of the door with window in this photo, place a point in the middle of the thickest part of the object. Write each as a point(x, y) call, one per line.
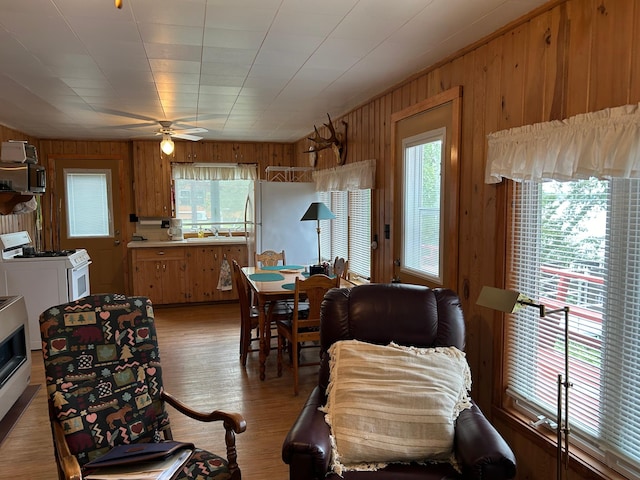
point(426, 140)
point(87, 203)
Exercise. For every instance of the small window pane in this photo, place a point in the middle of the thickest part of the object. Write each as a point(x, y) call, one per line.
point(88, 203)
point(422, 205)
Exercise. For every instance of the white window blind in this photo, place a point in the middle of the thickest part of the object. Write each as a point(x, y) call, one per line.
point(360, 233)
point(577, 243)
point(348, 235)
point(422, 204)
point(88, 199)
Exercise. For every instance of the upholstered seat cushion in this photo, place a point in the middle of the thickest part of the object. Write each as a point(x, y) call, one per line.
point(204, 465)
point(390, 403)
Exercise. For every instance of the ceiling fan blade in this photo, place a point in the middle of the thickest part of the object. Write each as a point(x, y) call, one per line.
point(183, 136)
point(192, 130)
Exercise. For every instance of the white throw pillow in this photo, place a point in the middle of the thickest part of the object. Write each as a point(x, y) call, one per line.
point(392, 403)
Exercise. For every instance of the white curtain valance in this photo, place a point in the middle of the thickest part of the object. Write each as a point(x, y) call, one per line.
point(603, 144)
point(208, 171)
point(354, 176)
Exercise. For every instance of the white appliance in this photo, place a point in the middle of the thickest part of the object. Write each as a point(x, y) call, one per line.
point(279, 208)
point(15, 357)
point(44, 279)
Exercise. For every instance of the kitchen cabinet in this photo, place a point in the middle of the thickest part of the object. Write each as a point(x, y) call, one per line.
point(192, 152)
point(151, 180)
point(204, 266)
point(160, 274)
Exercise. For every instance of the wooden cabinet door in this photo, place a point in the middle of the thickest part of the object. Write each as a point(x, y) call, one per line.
point(151, 180)
point(182, 152)
point(147, 279)
point(204, 266)
point(160, 274)
point(191, 152)
point(230, 253)
point(174, 280)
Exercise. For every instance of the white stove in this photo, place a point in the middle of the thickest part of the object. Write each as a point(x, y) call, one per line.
point(44, 279)
point(15, 247)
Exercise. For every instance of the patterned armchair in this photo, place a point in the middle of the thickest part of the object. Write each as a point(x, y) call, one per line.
point(104, 385)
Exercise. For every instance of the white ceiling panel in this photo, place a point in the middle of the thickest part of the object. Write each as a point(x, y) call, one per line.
point(243, 69)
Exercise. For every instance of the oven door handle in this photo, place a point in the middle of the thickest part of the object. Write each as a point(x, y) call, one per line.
point(79, 267)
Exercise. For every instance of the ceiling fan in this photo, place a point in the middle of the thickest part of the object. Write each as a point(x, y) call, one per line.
point(186, 134)
point(168, 133)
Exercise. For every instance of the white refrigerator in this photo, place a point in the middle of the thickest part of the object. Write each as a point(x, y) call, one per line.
point(279, 206)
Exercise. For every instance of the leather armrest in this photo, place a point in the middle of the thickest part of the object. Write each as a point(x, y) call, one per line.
point(307, 447)
point(481, 450)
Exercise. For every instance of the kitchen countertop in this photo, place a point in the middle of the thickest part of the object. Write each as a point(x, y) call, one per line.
point(190, 242)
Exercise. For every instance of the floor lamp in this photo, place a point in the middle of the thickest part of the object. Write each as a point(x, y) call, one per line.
point(509, 301)
point(318, 211)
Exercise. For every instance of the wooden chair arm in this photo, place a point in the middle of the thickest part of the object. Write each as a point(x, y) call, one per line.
point(67, 462)
point(234, 420)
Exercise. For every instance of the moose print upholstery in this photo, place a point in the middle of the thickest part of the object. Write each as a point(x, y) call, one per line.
point(104, 384)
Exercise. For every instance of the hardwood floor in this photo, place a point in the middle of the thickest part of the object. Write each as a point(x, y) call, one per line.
point(199, 348)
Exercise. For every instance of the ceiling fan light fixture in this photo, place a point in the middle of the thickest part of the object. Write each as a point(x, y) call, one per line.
point(166, 145)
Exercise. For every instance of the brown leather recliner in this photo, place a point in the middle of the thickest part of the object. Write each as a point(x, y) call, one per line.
point(407, 315)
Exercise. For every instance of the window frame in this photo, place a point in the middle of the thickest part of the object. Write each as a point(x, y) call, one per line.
point(409, 191)
point(106, 175)
point(443, 109)
point(340, 203)
point(515, 409)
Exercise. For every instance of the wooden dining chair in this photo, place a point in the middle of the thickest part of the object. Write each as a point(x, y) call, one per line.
point(249, 317)
point(341, 268)
point(305, 327)
point(269, 258)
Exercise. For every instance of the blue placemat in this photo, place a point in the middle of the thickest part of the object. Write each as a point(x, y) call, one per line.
point(266, 277)
point(283, 267)
point(289, 286)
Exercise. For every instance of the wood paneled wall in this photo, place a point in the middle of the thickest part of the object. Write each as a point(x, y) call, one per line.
point(566, 58)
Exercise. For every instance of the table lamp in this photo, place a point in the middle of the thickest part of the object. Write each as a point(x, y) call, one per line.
point(318, 211)
point(510, 301)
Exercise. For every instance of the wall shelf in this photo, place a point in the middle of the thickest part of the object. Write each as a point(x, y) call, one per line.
point(8, 200)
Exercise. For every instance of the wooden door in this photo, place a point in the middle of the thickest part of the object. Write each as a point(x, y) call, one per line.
point(87, 196)
point(425, 229)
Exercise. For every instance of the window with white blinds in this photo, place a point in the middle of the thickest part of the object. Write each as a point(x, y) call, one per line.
point(348, 235)
point(422, 204)
point(88, 203)
point(577, 243)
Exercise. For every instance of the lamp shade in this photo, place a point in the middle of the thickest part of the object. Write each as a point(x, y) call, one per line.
point(318, 211)
point(498, 299)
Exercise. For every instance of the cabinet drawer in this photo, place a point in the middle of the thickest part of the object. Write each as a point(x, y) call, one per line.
point(173, 253)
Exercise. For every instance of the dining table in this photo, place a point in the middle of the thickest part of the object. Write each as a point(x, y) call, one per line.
point(270, 284)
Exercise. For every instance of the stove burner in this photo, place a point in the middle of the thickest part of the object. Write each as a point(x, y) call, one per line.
point(47, 253)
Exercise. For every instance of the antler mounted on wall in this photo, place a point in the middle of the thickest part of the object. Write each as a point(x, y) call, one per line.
point(337, 141)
